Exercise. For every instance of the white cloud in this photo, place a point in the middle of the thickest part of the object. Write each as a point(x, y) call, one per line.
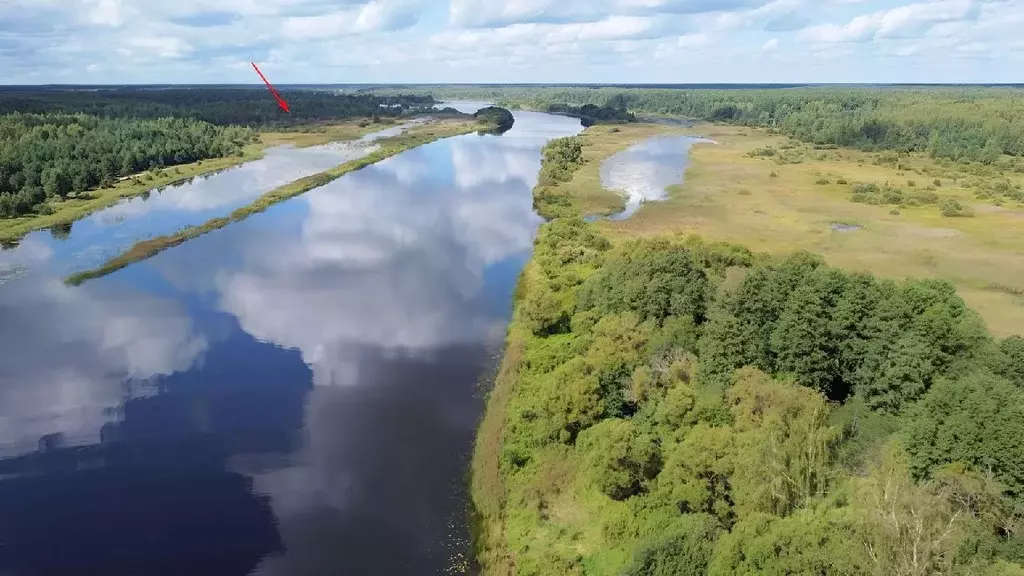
point(770, 45)
point(698, 40)
point(909, 20)
point(68, 352)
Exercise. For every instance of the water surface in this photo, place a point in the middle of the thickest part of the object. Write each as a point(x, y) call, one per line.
point(104, 234)
point(643, 172)
point(294, 394)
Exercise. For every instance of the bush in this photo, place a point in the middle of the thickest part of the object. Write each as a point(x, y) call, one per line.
point(822, 181)
point(842, 182)
point(953, 209)
point(772, 174)
point(684, 549)
point(925, 197)
point(762, 152)
point(911, 183)
point(871, 188)
point(617, 459)
point(937, 182)
point(892, 196)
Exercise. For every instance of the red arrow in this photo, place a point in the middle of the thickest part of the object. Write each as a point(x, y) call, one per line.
point(280, 101)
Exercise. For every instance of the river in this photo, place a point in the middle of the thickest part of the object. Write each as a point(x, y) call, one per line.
point(294, 394)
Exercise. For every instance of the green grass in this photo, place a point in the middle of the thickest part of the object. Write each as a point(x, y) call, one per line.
point(388, 147)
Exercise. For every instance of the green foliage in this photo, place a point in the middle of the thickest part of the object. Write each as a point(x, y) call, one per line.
point(56, 155)
point(589, 114)
point(1013, 350)
point(617, 459)
point(977, 419)
point(654, 280)
point(686, 407)
point(501, 118)
point(953, 209)
point(814, 541)
point(684, 549)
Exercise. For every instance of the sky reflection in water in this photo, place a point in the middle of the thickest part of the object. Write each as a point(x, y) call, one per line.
point(294, 394)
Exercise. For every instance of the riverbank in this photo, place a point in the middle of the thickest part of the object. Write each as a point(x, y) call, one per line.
point(627, 432)
point(416, 136)
point(75, 208)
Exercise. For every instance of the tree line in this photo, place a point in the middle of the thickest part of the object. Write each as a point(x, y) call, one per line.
point(245, 106)
point(969, 123)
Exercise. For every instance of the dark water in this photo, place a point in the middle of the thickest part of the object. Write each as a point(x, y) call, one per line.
point(294, 394)
point(642, 173)
point(104, 234)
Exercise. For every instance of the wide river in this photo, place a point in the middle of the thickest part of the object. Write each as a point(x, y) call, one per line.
point(295, 394)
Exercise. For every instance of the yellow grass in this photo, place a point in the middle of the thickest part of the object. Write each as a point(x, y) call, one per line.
point(730, 196)
point(94, 200)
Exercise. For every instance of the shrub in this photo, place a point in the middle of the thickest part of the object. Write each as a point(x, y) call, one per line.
point(822, 181)
point(892, 196)
point(772, 174)
point(871, 188)
point(926, 197)
point(763, 152)
point(953, 209)
point(911, 183)
point(842, 182)
point(937, 182)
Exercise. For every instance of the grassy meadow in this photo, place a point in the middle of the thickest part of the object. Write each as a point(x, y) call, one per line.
point(782, 203)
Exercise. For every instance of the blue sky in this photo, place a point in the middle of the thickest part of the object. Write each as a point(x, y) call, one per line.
point(339, 41)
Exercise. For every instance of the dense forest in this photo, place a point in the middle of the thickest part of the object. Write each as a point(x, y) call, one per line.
point(56, 143)
point(222, 106)
point(589, 114)
point(671, 407)
point(969, 123)
point(54, 155)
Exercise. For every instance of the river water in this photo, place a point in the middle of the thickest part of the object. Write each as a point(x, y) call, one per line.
point(294, 394)
point(93, 240)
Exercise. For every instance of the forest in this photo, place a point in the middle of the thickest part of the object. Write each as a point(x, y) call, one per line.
point(244, 106)
point(671, 406)
point(55, 155)
point(58, 143)
point(589, 114)
point(959, 123)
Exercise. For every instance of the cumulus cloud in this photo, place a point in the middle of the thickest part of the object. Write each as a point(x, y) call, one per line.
point(909, 20)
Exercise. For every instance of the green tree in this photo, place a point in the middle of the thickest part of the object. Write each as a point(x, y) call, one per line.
point(618, 459)
point(684, 549)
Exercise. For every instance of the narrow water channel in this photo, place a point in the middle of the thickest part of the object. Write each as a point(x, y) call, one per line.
point(293, 394)
point(104, 234)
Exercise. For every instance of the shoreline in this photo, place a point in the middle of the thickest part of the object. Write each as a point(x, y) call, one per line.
point(73, 209)
point(388, 147)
